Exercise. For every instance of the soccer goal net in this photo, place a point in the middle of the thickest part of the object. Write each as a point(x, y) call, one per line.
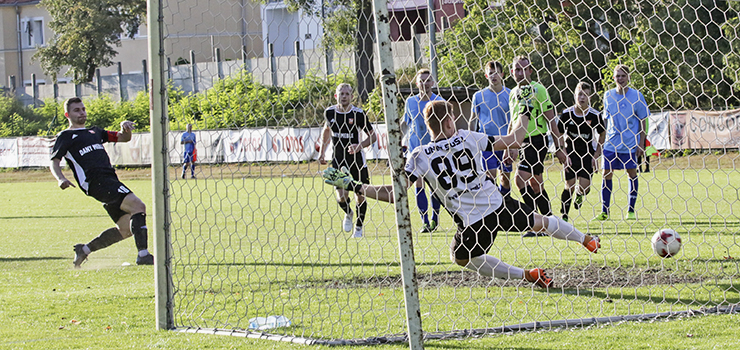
point(255, 243)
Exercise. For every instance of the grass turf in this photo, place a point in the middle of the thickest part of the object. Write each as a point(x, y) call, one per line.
point(244, 269)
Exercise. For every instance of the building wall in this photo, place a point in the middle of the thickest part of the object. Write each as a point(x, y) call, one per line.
point(8, 57)
point(203, 25)
point(198, 25)
point(32, 12)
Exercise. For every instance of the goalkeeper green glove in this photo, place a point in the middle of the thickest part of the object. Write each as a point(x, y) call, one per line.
point(341, 179)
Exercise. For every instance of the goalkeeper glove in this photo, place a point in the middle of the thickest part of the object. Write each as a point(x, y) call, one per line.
point(525, 96)
point(341, 179)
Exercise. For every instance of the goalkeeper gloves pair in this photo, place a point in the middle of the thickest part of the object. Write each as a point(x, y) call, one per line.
point(341, 179)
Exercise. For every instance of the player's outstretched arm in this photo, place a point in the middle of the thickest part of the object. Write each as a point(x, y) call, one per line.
point(342, 179)
point(56, 170)
point(517, 131)
point(127, 127)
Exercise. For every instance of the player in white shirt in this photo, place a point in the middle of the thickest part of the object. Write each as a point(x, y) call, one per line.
point(452, 166)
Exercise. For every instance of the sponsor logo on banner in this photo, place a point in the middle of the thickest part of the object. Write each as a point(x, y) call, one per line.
point(704, 129)
point(287, 144)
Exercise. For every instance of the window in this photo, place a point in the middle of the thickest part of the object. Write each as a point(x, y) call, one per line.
point(32, 32)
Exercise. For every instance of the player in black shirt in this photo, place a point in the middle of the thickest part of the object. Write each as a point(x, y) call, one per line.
point(579, 124)
point(343, 124)
point(83, 150)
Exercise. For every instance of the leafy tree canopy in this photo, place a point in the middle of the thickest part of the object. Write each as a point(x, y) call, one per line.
point(679, 56)
point(85, 34)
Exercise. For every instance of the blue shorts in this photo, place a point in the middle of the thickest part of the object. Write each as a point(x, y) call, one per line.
point(618, 161)
point(187, 157)
point(494, 161)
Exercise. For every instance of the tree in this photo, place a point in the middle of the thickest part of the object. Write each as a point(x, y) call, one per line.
point(731, 29)
point(676, 48)
point(85, 33)
point(678, 55)
point(566, 41)
point(347, 24)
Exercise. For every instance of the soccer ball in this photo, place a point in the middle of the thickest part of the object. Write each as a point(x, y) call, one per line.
point(666, 243)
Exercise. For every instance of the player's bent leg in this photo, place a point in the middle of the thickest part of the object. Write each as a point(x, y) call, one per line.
point(124, 226)
point(361, 210)
point(133, 205)
point(560, 229)
point(344, 203)
point(633, 186)
point(521, 178)
point(606, 195)
point(487, 265)
point(505, 187)
point(105, 239)
point(423, 204)
point(541, 198)
point(565, 198)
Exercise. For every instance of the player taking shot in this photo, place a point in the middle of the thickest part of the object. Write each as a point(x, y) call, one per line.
point(82, 148)
point(452, 166)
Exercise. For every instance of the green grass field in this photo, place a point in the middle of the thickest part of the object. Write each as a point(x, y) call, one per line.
point(263, 244)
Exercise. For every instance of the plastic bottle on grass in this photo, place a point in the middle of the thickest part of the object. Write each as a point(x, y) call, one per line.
point(269, 322)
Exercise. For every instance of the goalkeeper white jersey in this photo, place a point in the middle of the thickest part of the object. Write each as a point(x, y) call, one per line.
point(453, 169)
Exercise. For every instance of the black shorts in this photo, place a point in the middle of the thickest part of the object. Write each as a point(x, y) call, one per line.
point(533, 155)
point(355, 164)
point(477, 239)
point(581, 166)
point(111, 192)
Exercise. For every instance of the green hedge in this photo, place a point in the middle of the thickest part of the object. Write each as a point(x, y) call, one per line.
point(232, 103)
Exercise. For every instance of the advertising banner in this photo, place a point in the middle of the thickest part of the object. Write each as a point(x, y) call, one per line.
point(666, 130)
point(138, 151)
point(34, 151)
point(8, 153)
point(705, 130)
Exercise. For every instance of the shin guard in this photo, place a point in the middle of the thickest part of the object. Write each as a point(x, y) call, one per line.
point(138, 228)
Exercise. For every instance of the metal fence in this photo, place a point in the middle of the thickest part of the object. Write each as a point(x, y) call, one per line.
point(199, 76)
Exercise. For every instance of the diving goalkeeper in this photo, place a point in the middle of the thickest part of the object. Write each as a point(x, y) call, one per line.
point(452, 166)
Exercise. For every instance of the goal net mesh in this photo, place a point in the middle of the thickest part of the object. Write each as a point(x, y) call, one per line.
point(255, 232)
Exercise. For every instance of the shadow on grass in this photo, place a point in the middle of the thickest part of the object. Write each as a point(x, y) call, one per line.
point(690, 300)
point(51, 217)
point(35, 258)
point(284, 264)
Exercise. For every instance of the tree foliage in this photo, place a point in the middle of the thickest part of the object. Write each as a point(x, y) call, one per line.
point(85, 34)
point(347, 22)
point(678, 55)
point(48, 119)
point(18, 120)
point(676, 48)
point(239, 101)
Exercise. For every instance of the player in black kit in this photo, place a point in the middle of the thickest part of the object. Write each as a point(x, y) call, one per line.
point(83, 150)
point(579, 124)
point(343, 125)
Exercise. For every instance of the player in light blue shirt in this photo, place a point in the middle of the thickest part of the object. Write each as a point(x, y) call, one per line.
point(415, 135)
point(188, 157)
point(490, 115)
point(625, 111)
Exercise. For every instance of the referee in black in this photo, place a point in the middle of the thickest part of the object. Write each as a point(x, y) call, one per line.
point(82, 148)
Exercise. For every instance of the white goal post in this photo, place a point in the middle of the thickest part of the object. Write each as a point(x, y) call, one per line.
point(252, 244)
